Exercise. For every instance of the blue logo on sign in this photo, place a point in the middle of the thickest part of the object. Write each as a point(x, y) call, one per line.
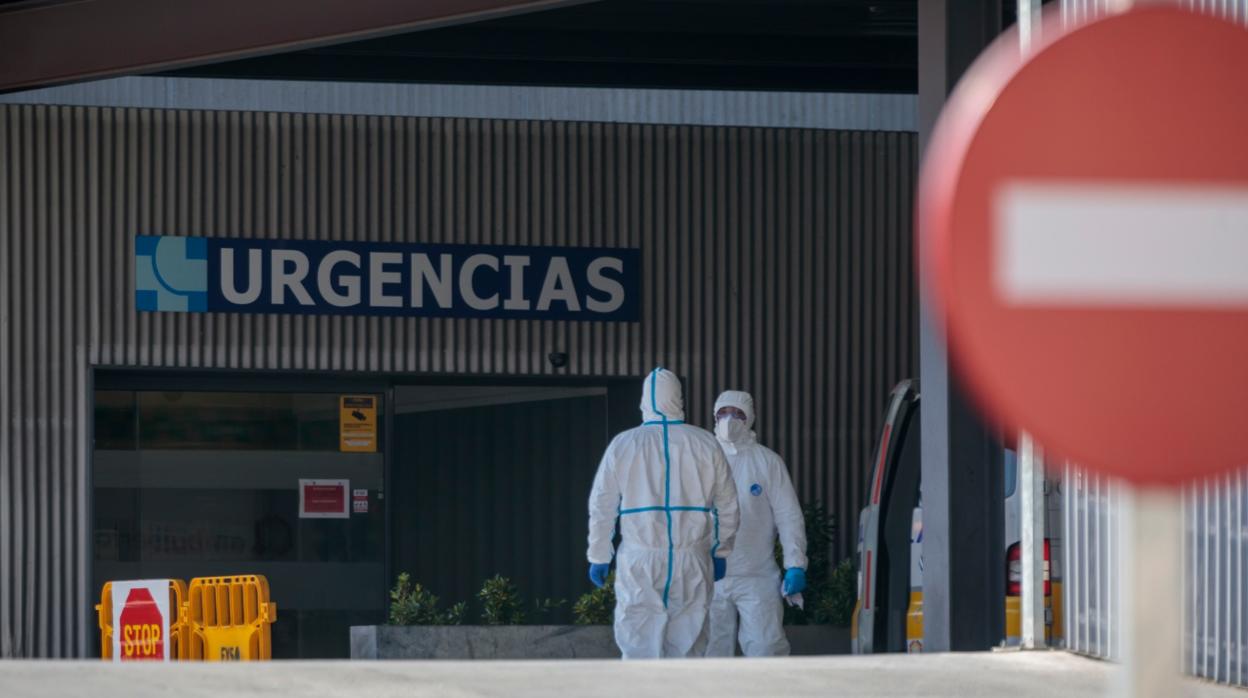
point(756, 489)
point(196, 274)
point(171, 273)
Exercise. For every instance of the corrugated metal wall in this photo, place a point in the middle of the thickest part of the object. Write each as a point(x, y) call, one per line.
point(1215, 553)
point(775, 260)
point(1215, 566)
point(1080, 10)
point(1091, 505)
point(1215, 618)
point(500, 489)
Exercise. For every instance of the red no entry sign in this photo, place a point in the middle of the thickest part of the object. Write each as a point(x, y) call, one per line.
point(1083, 217)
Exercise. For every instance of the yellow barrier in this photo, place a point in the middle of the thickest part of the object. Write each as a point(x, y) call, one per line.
point(229, 618)
point(146, 644)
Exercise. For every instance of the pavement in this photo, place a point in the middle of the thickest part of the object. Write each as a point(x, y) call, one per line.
point(961, 675)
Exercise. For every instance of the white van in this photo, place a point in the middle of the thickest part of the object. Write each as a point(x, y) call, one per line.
point(893, 517)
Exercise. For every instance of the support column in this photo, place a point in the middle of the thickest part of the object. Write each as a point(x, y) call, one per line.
point(1030, 459)
point(963, 483)
point(1031, 538)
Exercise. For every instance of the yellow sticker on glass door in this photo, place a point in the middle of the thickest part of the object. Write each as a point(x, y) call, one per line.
point(357, 424)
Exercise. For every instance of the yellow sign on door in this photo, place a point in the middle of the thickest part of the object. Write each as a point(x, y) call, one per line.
point(357, 424)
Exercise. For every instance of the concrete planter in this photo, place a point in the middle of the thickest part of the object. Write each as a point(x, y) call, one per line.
point(483, 642)
point(536, 641)
point(806, 640)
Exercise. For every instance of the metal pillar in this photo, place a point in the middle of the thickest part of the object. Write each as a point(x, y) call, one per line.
point(1031, 535)
point(963, 487)
point(1030, 460)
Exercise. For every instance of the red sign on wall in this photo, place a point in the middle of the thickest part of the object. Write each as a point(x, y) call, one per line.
point(323, 499)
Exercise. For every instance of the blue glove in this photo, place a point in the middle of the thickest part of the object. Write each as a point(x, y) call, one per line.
point(721, 567)
point(598, 573)
point(794, 581)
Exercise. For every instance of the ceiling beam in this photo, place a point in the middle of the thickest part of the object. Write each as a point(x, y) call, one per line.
point(44, 43)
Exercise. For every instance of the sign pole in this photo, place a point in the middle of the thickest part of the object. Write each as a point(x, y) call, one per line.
point(1151, 568)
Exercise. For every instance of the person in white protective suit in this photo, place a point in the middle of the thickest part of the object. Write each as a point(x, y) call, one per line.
point(668, 486)
point(753, 590)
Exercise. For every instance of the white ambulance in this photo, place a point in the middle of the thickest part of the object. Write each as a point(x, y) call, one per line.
point(888, 616)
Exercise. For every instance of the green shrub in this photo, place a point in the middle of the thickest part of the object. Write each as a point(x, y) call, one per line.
point(543, 609)
point(823, 598)
point(837, 596)
point(596, 607)
point(455, 614)
point(412, 604)
point(500, 602)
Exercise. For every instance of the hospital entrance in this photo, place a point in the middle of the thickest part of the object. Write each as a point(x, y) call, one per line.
point(331, 487)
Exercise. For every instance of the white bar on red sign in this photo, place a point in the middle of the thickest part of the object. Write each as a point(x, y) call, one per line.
point(1121, 245)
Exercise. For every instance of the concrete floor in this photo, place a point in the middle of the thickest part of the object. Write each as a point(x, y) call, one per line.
point(995, 674)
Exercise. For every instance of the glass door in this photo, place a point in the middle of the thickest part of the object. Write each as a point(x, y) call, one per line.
point(284, 484)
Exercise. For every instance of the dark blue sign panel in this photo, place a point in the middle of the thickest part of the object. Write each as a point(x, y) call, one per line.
point(230, 275)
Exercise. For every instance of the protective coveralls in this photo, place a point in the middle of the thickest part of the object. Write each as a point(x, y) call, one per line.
point(668, 486)
point(751, 589)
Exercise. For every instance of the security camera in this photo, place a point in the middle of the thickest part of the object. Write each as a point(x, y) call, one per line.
point(558, 359)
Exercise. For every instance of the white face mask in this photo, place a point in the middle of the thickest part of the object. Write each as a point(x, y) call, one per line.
point(730, 429)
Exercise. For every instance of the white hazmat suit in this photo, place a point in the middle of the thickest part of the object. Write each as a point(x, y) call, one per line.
point(751, 588)
point(668, 485)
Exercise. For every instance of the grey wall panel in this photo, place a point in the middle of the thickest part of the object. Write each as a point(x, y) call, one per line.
point(869, 112)
point(500, 489)
point(777, 261)
point(43, 384)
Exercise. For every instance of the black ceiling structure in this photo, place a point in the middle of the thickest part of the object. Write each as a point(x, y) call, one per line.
point(799, 45)
point(50, 42)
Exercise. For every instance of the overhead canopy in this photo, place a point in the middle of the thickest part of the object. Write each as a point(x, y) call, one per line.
point(791, 45)
point(49, 42)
